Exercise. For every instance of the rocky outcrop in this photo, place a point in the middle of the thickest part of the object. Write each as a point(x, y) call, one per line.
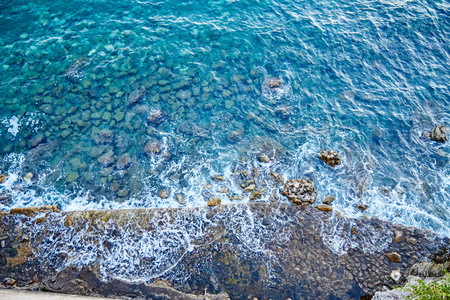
point(300, 191)
point(330, 157)
point(439, 134)
point(264, 251)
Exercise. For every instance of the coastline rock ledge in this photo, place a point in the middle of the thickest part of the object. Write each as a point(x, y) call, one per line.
point(240, 251)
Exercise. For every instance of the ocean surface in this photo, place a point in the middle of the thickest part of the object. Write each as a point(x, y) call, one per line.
point(126, 104)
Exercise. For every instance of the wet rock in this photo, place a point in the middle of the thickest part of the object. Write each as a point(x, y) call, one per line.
point(256, 195)
point(152, 148)
point(328, 200)
point(214, 201)
point(300, 191)
point(28, 176)
point(249, 188)
point(106, 159)
point(163, 194)
point(223, 191)
point(361, 206)
point(180, 199)
point(218, 178)
point(37, 140)
point(274, 82)
point(330, 157)
point(394, 257)
point(3, 178)
point(5, 199)
point(277, 177)
point(354, 230)
point(264, 159)
point(136, 95)
point(439, 134)
point(324, 207)
point(124, 161)
point(104, 136)
point(412, 241)
point(156, 117)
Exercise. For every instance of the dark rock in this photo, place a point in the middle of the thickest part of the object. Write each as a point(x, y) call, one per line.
point(361, 206)
point(300, 191)
point(439, 134)
point(9, 282)
point(136, 95)
point(5, 199)
point(354, 230)
point(394, 257)
point(330, 157)
point(328, 200)
point(214, 201)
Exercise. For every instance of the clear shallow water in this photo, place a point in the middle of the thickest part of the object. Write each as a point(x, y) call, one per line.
point(362, 78)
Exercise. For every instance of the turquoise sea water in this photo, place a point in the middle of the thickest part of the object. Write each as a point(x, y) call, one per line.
point(107, 103)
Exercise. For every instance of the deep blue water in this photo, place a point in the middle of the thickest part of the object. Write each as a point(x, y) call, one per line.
point(364, 78)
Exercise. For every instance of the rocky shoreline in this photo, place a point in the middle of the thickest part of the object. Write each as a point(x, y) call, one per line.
point(241, 251)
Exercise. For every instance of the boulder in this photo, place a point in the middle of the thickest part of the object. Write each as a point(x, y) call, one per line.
point(439, 134)
point(330, 157)
point(328, 200)
point(361, 206)
point(324, 207)
point(300, 191)
point(3, 178)
point(106, 159)
point(218, 178)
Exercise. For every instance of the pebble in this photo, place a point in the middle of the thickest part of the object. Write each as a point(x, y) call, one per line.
point(394, 257)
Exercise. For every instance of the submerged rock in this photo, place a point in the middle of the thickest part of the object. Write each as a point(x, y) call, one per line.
point(156, 117)
point(300, 191)
point(273, 82)
point(124, 161)
point(439, 134)
point(330, 157)
point(106, 159)
point(104, 136)
point(136, 95)
point(152, 148)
